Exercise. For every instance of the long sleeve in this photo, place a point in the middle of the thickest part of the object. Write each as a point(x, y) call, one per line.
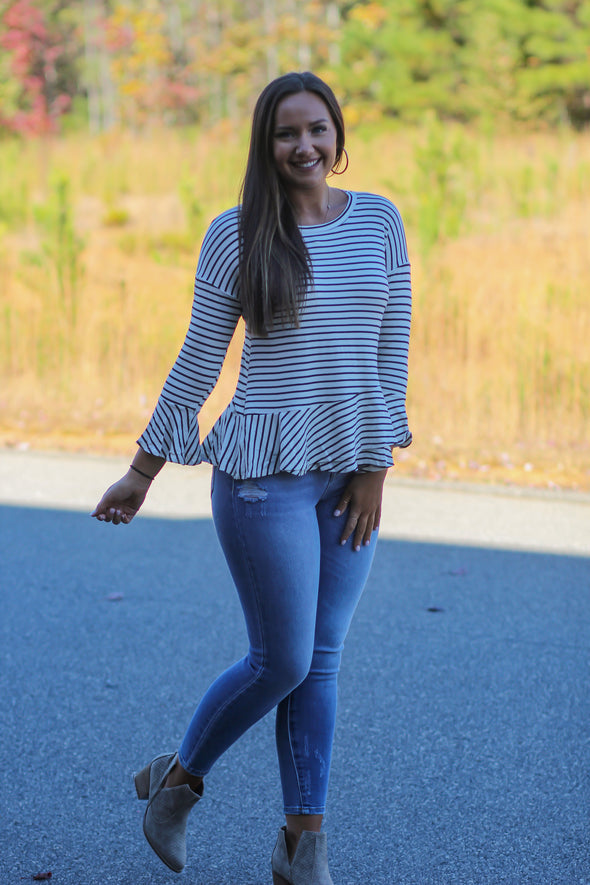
point(327, 394)
point(173, 430)
point(394, 338)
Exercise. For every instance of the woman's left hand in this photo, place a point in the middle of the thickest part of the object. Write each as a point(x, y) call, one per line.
point(362, 496)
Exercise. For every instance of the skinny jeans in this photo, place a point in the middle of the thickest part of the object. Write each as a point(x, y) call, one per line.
point(298, 587)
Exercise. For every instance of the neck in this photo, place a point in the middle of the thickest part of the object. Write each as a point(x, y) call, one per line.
point(312, 207)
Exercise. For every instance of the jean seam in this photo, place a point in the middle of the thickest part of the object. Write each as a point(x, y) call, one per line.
point(260, 669)
point(291, 748)
point(190, 770)
point(221, 710)
point(238, 523)
point(327, 486)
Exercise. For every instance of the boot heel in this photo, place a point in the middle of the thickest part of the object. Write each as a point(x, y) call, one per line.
point(142, 783)
point(278, 880)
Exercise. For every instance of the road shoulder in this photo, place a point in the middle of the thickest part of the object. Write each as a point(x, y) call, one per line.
point(489, 516)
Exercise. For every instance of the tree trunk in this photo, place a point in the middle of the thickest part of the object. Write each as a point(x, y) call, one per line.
point(270, 30)
point(214, 35)
point(333, 22)
point(303, 47)
point(91, 67)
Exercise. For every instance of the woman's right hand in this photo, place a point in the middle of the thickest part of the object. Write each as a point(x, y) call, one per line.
point(122, 500)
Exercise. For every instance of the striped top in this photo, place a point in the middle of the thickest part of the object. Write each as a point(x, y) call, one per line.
point(328, 395)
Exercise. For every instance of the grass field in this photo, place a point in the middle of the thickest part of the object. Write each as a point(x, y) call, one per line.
point(99, 239)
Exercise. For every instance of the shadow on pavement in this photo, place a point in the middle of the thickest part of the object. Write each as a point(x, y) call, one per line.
point(462, 750)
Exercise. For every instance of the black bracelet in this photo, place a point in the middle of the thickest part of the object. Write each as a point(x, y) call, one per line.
point(141, 473)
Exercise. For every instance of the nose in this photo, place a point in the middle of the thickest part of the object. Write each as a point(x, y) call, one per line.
point(304, 145)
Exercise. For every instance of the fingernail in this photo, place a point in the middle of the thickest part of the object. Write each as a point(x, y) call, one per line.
point(337, 513)
point(367, 543)
point(357, 548)
point(342, 543)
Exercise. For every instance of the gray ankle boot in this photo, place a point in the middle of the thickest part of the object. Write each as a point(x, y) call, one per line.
point(309, 865)
point(164, 821)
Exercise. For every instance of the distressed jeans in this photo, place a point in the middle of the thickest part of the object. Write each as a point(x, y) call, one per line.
point(298, 587)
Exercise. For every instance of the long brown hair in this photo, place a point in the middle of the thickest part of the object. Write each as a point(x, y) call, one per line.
point(275, 267)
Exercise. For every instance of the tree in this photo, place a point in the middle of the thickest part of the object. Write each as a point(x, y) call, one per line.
point(525, 59)
point(39, 56)
point(181, 61)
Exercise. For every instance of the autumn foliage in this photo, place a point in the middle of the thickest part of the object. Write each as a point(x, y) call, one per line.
point(125, 62)
point(36, 55)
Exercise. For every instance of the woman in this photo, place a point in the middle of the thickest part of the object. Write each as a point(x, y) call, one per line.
point(322, 279)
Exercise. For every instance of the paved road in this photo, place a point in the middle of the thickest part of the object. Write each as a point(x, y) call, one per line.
point(463, 742)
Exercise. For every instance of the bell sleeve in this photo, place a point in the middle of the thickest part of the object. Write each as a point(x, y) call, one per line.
point(173, 429)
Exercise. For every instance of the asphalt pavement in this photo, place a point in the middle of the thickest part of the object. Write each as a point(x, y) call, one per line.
point(462, 752)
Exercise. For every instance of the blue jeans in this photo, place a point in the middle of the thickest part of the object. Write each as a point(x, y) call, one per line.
point(298, 588)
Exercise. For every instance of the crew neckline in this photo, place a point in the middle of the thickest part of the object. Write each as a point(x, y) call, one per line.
point(333, 221)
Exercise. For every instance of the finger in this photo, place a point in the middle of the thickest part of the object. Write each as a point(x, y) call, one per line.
point(98, 509)
point(359, 533)
point(349, 527)
point(369, 529)
point(342, 503)
point(115, 516)
point(377, 520)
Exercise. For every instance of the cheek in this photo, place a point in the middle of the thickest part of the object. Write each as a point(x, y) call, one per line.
point(331, 149)
point(282, 159)
point(279, 154)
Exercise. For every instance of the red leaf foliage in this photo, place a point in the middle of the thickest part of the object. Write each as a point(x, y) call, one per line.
point(35, 50)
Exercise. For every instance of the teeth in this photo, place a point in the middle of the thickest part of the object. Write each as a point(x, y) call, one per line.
point(307, 165)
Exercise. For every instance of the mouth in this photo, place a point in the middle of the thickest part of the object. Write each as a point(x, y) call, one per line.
point(307, 164)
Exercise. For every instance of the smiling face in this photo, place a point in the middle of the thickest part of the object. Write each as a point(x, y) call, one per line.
point(304, 141)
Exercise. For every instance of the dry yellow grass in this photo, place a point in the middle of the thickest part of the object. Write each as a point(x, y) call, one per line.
point(500, 361)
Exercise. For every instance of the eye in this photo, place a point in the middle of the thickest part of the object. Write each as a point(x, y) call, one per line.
point(319, 130)
point(283, 134)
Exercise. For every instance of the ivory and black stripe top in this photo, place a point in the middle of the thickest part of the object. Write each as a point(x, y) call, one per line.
point(329, 395)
